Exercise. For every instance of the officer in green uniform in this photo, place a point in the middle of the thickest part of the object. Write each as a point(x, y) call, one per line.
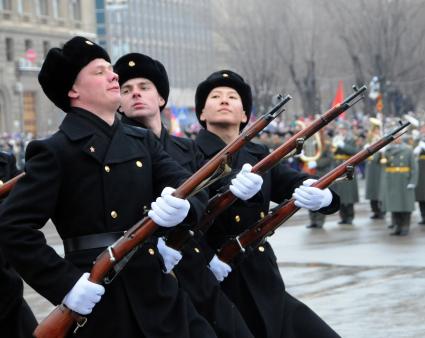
point(374, 171)
point(344, 147)
point(399, 183)
point(420, 188)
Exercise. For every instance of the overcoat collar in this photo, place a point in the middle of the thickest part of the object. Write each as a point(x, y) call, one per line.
point(3, 158)
point(124, 146)
point(164, 138)
point(211, 144)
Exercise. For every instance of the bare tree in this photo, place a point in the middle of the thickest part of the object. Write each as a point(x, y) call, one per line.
point(299, 52)
point(276, 44)
point(384, 38)
point(249, 45)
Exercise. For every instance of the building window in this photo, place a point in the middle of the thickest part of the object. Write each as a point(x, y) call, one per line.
point(29, 113)
point(28, 44)
point(20, 7)
point(56, 9)
point(42, 8)
point(9, 49)
point(46, 48)
point(27, 6)
point(76, 9)
point(6, 5)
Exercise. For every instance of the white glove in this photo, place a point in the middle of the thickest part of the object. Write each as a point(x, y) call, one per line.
point(167, 210)
point(311, 198)
point(246, 184)
point(339, 144)
point(170, 256)
point(312, 164)
point(219, 268)
point(84, 295)
point(411, 186)
point(419, 148)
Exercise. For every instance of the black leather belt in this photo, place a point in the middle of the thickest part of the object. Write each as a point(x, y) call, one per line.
point(93, 241)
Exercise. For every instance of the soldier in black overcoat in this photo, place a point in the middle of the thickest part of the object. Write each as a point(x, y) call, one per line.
point(16, 317)
point(223, 105)
point(144, 93)
point(94, 178)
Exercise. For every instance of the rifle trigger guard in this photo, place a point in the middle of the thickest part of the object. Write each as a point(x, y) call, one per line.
point(239, 243)
point(348, 176)
point(350, 172)
point(299, 145)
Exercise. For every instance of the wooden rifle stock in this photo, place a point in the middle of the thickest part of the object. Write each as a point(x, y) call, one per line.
point(222, 201)
point(267, 225)
point(62, 317)
point(7, 186)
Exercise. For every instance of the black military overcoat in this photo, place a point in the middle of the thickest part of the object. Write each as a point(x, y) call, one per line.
point(255, 284)
point(88, 184)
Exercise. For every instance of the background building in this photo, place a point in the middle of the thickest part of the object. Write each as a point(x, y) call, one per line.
point(179, 33)
point(28, 29)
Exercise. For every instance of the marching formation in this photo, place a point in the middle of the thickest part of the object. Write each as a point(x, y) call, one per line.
point(167, 236)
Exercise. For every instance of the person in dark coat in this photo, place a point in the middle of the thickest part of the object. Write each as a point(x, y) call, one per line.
point(16, 317)
point(144, 93)
point(223, 105)
point(94, 178)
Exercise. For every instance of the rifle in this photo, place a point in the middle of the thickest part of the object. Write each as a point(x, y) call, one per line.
point(177, 238)
point(61, 319)
point(266, 226)
point(7, 186)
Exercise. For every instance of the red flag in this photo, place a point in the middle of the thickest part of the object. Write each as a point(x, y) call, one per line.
point(339, 96)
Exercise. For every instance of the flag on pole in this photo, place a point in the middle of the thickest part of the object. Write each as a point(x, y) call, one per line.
point(175, 128)
point(339, 97)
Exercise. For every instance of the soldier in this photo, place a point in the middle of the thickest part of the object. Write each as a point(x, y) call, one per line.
point(94, 178)
point(420, 188)
point(344, 146)
point(223, 105)
point(144, 93)
point(374, 171)
point(16, 318)
point(399, 182)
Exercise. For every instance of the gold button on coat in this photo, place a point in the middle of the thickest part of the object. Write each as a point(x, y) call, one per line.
point(237, 218)
point(107, 169)
point(151, 251)
point(261, 248)
point(262, 214)
point(196, 250)
point(139, 164)
point(114, 214)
